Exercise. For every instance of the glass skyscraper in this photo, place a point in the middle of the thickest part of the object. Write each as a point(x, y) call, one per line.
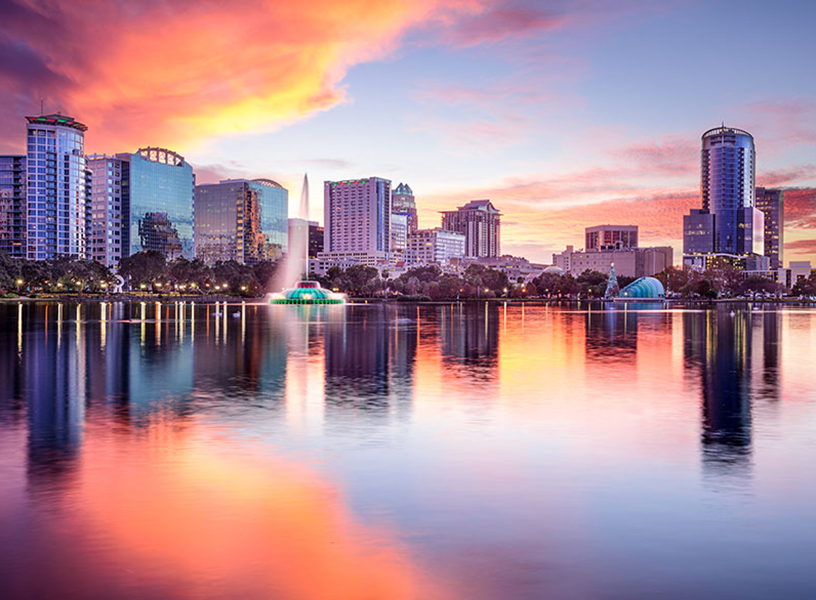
point(162, 187)
point(772, 204)
point(56, 195)
point(273, 200)
point(728, 173)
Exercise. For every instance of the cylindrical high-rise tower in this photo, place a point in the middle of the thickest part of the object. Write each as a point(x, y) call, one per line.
point(728, 172)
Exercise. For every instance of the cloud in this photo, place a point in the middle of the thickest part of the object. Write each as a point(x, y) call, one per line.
point(801, 246)
point(671, 157)
point(172, 74)
point(789, 176)
point(800, 208)
point(501, 22)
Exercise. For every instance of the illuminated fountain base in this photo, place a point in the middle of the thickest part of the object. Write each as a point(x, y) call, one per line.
point(307, 292)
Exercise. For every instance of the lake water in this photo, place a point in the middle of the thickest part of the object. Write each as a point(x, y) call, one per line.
point(406, 452)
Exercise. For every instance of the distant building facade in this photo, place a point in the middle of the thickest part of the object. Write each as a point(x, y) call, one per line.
point(435, 246)
point(479, 222)
point(13, 205)
point(162, 187)
point(632, 262)
point(357, 215)
point(315, 239)
point(228, 222)
point(399, 234)
point(56, 194)
point(772, 204)
point(611, 237)
point(404, 203)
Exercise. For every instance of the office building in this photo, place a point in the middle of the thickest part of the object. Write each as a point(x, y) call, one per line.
point(315, 239)
point(109, 237)
point(403, 203)
point(772, 204)
point(56, 195)
point(273, 201)
point(357, 215)
point(728, 224)
point(399, 234)
point(435, 246)
point(228, 223)
point(611, 237)
point(13, 205)
point(162, 187)
point(479, 222)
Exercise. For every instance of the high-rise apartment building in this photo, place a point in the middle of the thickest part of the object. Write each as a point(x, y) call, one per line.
point(611, 237)
point(772, 204)
point(161, 202)
point(479, 222)
point(403, 203)
point(109, 236)
point(228, 222)
point(56, 194)
point(13, 205)
point(357, 215)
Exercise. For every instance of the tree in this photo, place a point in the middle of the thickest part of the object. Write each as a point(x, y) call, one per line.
point(147, 266)
point(593, 283)
point(360, 279)
point(758, 285)
point(806, 286)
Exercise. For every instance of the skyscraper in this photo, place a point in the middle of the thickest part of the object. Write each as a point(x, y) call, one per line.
point(109, 234)
point(728, 224)
point(161, 202)
point(12, 205)
point(273, 202)
point(479, 222)
point(357, 215)
point(772, 204)
point(56, 195)
point(728, 173)
point(611, 237)
point(403, 203)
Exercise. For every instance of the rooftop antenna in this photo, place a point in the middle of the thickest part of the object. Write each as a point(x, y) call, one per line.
point(42, 110)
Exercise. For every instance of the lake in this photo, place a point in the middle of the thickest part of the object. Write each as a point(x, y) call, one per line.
point(385, 451)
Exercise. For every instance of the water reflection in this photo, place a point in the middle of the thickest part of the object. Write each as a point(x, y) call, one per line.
point(220, 450)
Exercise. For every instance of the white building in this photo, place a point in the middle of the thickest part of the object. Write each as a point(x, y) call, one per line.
point(109, 237)
point(357, 215)
point(436, 246)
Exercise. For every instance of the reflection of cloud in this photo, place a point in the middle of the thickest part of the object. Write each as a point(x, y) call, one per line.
point(241, 526)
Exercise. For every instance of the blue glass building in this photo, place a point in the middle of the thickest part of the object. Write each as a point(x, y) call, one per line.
point(162, 187)
point(56, 195)
point(728, 169)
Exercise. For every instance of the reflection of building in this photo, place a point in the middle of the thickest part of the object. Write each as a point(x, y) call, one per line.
point(728, 224)
point(611, 335)
point(403, 203)
point(369, 359)
point(12, 205)
point(772, 204)
point(109, 239)
point(470, 336)
point(718, 345)
point(161, 202)
point(228, 222)
point(479, 222)
point(56, 194)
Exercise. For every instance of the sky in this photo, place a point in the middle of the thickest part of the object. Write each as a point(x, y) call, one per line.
point(566, 114)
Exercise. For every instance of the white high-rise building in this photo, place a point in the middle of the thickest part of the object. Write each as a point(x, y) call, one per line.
point(108, 238)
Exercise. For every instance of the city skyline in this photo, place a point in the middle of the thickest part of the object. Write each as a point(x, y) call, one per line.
point(562, 115)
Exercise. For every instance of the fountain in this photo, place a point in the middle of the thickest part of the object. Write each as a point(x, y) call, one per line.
point(295, 268)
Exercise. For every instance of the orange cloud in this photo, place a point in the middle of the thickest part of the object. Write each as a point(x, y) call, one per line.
point(176, 73)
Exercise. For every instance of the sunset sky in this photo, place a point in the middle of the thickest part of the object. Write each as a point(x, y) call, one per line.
point(565, 113)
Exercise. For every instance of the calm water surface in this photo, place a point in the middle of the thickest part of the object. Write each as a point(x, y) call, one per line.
point(431, 452)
